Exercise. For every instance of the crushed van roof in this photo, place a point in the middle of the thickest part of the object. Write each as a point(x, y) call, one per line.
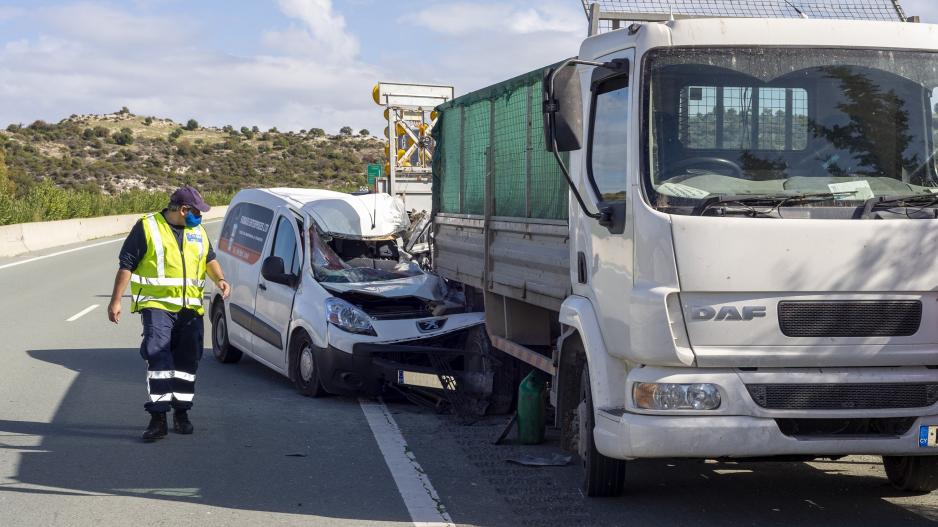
point(368, 216)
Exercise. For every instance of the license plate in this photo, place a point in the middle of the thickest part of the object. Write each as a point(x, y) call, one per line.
point(413, 378)
point(928, 436)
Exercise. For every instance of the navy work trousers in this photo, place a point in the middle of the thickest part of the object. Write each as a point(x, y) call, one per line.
point(172, 347)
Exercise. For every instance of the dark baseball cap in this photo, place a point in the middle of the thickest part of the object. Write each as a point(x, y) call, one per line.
point(190, 197)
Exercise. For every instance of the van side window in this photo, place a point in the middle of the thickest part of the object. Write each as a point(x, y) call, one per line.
point(245, 232)
point(285, 246)
point(607, 148)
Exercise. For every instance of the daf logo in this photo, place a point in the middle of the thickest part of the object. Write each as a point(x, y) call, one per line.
point(727, 313)
point(426, 326)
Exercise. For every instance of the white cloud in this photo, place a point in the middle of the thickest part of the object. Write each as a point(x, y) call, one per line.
point(105, 58)
point(465, 18)
point(9, 13)
point(324, 31)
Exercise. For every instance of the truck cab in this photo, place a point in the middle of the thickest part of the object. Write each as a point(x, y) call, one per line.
point(750, 245)
point(771, 288)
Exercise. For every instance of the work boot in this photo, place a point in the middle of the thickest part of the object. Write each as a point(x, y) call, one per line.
point(157, 427)
point(181, 423)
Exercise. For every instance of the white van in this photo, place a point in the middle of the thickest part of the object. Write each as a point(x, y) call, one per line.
point(323, 291)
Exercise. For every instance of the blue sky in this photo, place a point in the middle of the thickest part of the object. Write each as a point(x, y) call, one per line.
point(288, 63)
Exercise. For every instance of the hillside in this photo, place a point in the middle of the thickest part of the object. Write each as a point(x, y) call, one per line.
point(118, 152)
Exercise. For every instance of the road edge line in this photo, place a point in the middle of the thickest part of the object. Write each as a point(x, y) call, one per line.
point(422, 502)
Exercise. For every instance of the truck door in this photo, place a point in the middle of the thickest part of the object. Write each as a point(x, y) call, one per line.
point(240, 248)
point(274, 301)
point(605, 256)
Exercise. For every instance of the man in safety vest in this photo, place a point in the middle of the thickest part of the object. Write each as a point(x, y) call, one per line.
point(165, 258)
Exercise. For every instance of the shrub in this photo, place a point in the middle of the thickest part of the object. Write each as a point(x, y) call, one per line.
point(317, 132)
point(364, 132)
point(346, 130)
point(192, 124)
point(175, 134)
point(148, 121)
point(124, 137)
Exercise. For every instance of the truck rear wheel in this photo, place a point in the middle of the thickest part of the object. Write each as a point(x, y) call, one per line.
point(912, 473)
point(603, 476)
point(221, 346)
point(482, 360)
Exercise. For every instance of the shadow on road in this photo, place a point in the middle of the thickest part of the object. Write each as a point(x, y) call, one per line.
point(258, 445)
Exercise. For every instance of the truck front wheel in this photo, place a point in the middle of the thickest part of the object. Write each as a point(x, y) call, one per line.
point(604, 476)
point(912, 473)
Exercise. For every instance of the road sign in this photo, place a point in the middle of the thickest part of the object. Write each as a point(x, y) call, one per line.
point(374, 172)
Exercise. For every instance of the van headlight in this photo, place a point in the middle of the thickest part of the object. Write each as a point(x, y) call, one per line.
point(348, 317)
point(669, 396)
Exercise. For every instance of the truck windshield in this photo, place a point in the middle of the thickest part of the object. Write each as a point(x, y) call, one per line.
point(789, 127)
point(345, 260)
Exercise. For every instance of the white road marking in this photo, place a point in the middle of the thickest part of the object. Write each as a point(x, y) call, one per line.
point(82, 313)
point(43, 257)
point(420, 498)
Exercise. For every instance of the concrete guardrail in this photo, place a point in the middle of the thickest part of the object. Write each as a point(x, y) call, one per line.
point(28, 237)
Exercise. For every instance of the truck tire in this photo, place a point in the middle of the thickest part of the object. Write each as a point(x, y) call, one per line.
point(303, 370)
point(912, 473)
point(221, 346)
point(603, 476)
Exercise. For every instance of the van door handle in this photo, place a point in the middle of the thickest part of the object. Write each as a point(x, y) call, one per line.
point(262, 287)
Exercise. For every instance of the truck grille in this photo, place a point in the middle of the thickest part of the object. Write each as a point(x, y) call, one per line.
point(843, 396)
point(866, 318)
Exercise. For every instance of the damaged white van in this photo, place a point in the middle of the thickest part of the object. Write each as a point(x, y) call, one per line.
point(324, 292)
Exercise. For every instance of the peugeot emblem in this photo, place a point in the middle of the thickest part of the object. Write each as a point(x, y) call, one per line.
point(426, 326)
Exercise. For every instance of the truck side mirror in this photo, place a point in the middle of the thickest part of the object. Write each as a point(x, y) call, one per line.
point(273, 270)
point(563, 109)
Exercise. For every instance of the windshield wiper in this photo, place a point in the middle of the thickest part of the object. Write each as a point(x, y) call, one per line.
point(776, 200)
point(922, 201)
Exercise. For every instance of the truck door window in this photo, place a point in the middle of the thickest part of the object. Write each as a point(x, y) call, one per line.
point(285, 246)
point(608, 131)
point(245, 232)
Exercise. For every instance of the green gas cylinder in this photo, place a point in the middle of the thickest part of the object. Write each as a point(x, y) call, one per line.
point(531, 409)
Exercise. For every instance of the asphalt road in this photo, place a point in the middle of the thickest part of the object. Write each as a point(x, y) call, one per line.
point(71, 411)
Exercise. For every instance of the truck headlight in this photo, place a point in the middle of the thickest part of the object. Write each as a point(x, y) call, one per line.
point(668, 396)
point(348, 317)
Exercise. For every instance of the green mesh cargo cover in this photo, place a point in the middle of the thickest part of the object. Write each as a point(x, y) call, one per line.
point(493, 139)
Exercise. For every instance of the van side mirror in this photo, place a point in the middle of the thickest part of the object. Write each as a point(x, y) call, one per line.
point(273, 270)
point(563, 108)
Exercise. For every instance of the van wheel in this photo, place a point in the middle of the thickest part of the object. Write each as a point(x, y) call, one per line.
point(504, 372)
point(303, 368)
point(221, 347)
point(912, 473)
point(603, 476)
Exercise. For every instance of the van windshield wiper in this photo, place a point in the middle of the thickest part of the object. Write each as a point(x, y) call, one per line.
point(920, 200)
point(775, 200)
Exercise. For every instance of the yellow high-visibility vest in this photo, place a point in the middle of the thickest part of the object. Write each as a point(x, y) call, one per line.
point(167, 278)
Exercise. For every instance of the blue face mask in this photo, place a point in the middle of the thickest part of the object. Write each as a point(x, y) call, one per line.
point(192, 220)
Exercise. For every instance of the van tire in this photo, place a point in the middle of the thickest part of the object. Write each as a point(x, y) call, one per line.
point(603, 476)
point(912, 473)
point(303, 369)
point(221, 346)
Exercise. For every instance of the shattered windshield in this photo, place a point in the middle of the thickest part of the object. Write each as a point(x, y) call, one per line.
point(840, 127)
point(343, 260)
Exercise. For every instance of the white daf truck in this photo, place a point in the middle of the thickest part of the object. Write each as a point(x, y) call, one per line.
point(746, 263)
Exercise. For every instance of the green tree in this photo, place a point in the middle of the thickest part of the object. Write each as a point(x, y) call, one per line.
point(175, 134)
point(364, 132)
point(317, 132)
point(192, 124)
point(6, 186)
point(247, 132)
point(346, 130)
point(148, 121)
point(124, 137)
